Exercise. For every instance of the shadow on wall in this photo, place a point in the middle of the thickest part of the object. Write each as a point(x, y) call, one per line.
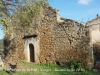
point(96, 49)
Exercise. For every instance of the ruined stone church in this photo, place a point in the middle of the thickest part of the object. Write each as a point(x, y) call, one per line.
point(51, 40)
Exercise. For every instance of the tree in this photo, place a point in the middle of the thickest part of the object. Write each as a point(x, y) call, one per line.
point(17, 14)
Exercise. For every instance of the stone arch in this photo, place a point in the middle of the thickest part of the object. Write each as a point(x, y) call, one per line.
point(32, 44)
point(32, 53)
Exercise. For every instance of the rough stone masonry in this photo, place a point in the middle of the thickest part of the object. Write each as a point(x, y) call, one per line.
point(52, 39)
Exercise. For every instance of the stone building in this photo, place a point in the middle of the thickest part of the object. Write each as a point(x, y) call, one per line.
point(94, 28)
point(53, 40)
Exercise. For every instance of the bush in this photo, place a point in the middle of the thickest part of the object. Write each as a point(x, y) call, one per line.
point(76, 65)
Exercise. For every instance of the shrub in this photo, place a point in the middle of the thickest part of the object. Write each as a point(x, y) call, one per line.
point(76, 65)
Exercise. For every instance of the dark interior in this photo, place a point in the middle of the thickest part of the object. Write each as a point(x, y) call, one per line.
point(31, 47)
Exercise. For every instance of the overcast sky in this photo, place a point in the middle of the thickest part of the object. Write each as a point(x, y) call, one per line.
point(79, 10)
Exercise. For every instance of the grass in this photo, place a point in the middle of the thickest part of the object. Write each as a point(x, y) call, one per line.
point(3, 73)
point(25, 68)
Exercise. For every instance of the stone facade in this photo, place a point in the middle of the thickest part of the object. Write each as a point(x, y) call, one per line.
point(54, 40)
point(94, 27)
point(94, 30)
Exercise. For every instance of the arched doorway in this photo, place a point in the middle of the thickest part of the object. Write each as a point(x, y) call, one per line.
point(32, 53)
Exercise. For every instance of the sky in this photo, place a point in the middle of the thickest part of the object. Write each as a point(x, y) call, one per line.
point(79, 10)
point(1, 33)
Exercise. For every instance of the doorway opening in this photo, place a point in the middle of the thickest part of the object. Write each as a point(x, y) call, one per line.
point(32, 53)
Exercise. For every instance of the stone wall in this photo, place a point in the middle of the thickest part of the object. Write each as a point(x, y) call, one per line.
point(46, 34)
point(13, 49)
point(94, 30)
point(71, 41)
point(60, 40)
point(94, 27)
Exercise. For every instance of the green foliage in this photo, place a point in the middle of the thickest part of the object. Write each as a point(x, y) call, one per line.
point(51, 73)
point(88, 68)
point(73, 63)
point(90, 73)
point(27, 14)
point(79, 64)
point(76, 65)
point(3, 73)
point(46, 69)
point(2, 9)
